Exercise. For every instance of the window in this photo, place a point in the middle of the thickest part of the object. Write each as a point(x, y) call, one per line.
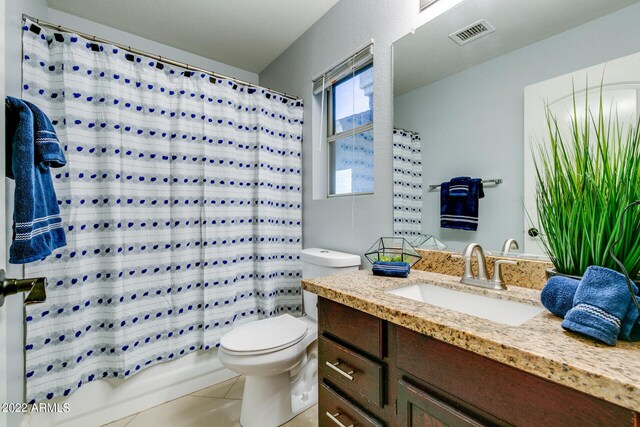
point(350, 133)
point(347, 97)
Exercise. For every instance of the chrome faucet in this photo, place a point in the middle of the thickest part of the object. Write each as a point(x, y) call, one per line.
point(467, 254)
point(481, 279)
point(508, 245)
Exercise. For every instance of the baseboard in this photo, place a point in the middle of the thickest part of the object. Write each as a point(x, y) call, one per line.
point(102, 402)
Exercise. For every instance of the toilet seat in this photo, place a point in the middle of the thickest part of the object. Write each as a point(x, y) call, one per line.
point(264, 336)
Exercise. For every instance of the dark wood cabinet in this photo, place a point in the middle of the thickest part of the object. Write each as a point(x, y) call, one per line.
point(417, 408)
point(485, 386)
point(359, 330)
point(353, 367)
point(376, 373)
point(335, 409)
point(352, 372)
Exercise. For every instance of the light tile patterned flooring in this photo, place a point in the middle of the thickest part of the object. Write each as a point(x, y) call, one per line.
point(215, 406)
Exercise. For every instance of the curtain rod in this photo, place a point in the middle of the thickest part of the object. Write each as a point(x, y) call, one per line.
point(135, 51)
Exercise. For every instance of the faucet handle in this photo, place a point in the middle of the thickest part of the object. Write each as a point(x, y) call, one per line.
point(497, 271)
point(508, 245)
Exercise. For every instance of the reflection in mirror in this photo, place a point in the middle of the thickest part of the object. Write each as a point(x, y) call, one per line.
point(466, 101)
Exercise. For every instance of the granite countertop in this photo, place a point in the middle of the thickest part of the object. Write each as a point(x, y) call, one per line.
point(539, 346)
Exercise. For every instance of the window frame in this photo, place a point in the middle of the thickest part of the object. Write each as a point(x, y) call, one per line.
point(332, 137)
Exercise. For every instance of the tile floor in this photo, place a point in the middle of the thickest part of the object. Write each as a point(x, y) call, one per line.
point(215, 406)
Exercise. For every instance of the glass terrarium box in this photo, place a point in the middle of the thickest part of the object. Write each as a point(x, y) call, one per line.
point(427, 241)
point(392, 249)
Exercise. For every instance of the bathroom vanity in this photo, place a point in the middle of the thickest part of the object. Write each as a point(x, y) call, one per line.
point(385, 360)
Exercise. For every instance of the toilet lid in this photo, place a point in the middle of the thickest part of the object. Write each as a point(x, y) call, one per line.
point(264, 335)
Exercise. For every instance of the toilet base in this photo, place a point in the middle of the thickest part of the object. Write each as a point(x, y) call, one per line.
point(267, 401)
point(273, 400)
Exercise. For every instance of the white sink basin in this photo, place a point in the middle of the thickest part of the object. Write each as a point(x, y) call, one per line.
point(502, 311)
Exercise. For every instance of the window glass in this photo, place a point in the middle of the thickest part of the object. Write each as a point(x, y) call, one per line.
point(350, 133)
point(353, 101)
point(351, 163)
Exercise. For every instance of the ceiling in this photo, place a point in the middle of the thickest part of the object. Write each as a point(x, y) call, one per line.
point(429, 54)
point(247, 34)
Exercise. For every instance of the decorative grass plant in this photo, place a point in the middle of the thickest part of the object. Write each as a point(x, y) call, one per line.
point(584, 181)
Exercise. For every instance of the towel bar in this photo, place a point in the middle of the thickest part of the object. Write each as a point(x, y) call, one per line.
point(484, 181)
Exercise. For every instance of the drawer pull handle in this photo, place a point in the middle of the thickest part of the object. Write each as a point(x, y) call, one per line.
point(334, 366)
point(334, 418)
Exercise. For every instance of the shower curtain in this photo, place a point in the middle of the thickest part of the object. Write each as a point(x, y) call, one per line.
point(181, 203)
point(407, 184)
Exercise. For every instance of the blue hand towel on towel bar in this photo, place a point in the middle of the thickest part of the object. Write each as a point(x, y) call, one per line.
point(33, 148)
point(392, 269)
point(459, 187)
point(460, 212)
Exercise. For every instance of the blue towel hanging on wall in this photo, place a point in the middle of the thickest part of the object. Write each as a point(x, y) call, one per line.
point(458, 211)
point(33, 148)
point(459, 187)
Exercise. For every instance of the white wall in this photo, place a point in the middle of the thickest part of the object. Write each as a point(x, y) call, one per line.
point(99, 402)
point(90, 27)
point(472, 123)
point(339, 224)
point(348, 224)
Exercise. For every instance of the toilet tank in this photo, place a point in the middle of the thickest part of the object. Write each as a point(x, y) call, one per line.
point(317, 262)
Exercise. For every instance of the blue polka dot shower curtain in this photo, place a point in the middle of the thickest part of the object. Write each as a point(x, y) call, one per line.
point(407, 184)
point(181, 201)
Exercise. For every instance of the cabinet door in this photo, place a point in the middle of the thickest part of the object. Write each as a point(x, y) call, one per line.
point(417, 408)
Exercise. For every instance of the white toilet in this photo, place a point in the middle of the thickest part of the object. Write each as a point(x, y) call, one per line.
point(279, 355)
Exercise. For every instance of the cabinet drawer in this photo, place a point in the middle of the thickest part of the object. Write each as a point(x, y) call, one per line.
point(485, 386)
point(352, 326)
point(354, 374)
point(334, 409)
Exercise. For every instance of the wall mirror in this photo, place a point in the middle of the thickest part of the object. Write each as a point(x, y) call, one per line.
point(459, 84)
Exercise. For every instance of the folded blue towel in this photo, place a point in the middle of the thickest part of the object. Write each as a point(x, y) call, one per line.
point(33, 148)
point(460, 213)
point(557, 295)
point(459, 186)
point(392, 269)
point(559, 292)
point(599, 305)
point(630, 327)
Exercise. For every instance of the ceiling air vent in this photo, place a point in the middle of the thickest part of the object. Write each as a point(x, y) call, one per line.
point(472, 32)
